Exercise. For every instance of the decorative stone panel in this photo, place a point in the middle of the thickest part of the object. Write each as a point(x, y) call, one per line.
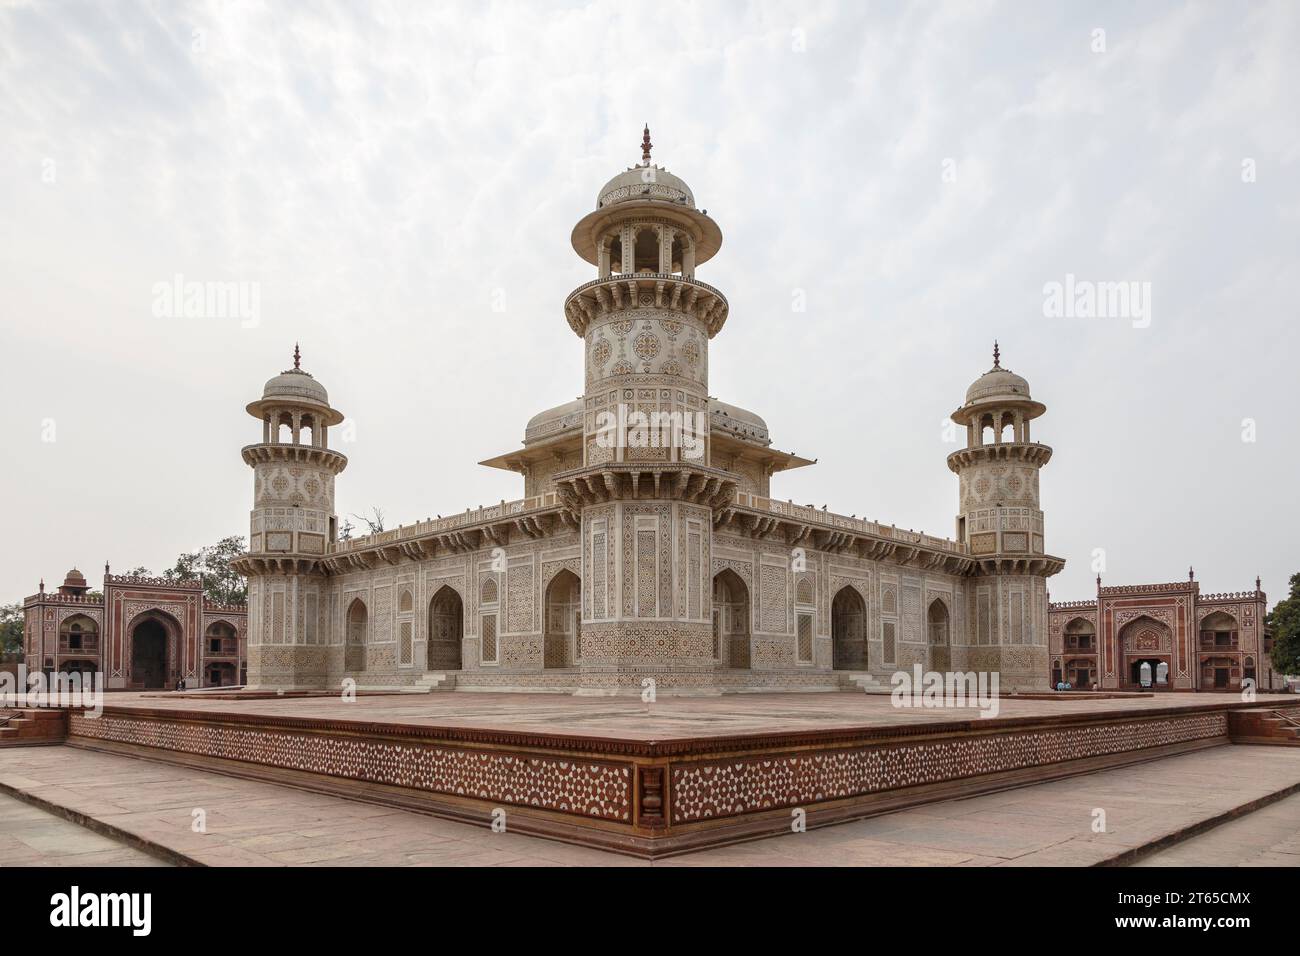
point(724, 788)
point(564, 784)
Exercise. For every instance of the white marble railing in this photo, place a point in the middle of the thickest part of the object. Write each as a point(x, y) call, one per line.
point(829, 519)
point(468, 518)
point(523, 506)
point(54, 597)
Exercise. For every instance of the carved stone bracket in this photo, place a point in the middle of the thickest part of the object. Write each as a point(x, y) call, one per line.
point(795, 532)
point(630, 482)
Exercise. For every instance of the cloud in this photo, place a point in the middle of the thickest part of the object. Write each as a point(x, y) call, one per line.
point(386, 173)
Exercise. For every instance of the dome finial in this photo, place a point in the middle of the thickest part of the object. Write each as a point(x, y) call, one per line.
point(645, 145)
point(997, 356)
point(297, 356)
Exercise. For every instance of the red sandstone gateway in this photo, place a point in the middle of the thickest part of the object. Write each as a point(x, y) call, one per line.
point(1207, 642)
point(140, 633)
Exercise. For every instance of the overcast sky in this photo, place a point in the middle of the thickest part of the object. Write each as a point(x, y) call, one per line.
point(398, 183)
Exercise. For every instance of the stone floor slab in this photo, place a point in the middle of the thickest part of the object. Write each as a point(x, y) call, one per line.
point(255, 823)
point(670, 718)
point(1268, 837)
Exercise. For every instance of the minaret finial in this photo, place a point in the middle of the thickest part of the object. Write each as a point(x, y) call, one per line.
point(645, 145)
point(297, 356)
point(1191, 573)
point(997, 356)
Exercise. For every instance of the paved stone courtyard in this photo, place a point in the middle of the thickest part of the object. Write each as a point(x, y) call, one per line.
point(668, 718)
point(29, 836)
point(254, 823)
point(1268, 837)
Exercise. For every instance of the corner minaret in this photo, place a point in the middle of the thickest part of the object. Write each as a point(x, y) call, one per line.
point(290, 527)
point(1001, 523)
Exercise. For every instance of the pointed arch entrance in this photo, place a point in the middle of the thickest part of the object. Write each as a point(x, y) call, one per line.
point(563, 620)
point(354, 653)
point(1145, 640)
point(446, 628)
point(731, 619)
point(849, 630)
point(153, 642)
point(938, 628)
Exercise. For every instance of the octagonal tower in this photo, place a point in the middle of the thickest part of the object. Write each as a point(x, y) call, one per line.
point(1001, 522)
point(646, 490)
point(290, 527)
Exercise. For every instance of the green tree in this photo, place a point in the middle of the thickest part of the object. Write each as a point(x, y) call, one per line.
point(11, 629)
point(212, 565)
point(1284, 619)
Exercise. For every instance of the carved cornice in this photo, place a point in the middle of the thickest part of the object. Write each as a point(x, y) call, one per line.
point(629, 481)
point(598, 484)
point(795, 532)
point(333, 461)
point(496, 530)
point(1031, 454)
point(258, 565)
point(1043, 565)
point(624, 292)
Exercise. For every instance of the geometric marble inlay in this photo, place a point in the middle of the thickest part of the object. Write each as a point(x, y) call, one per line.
point(583, 787)
point(702, 791)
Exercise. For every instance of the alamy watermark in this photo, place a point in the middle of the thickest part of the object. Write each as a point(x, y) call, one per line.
point(57, 689)
point(1077, 298)
point(947, 689)
point(628, 427)
point(188, 299)
point(74, 908)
